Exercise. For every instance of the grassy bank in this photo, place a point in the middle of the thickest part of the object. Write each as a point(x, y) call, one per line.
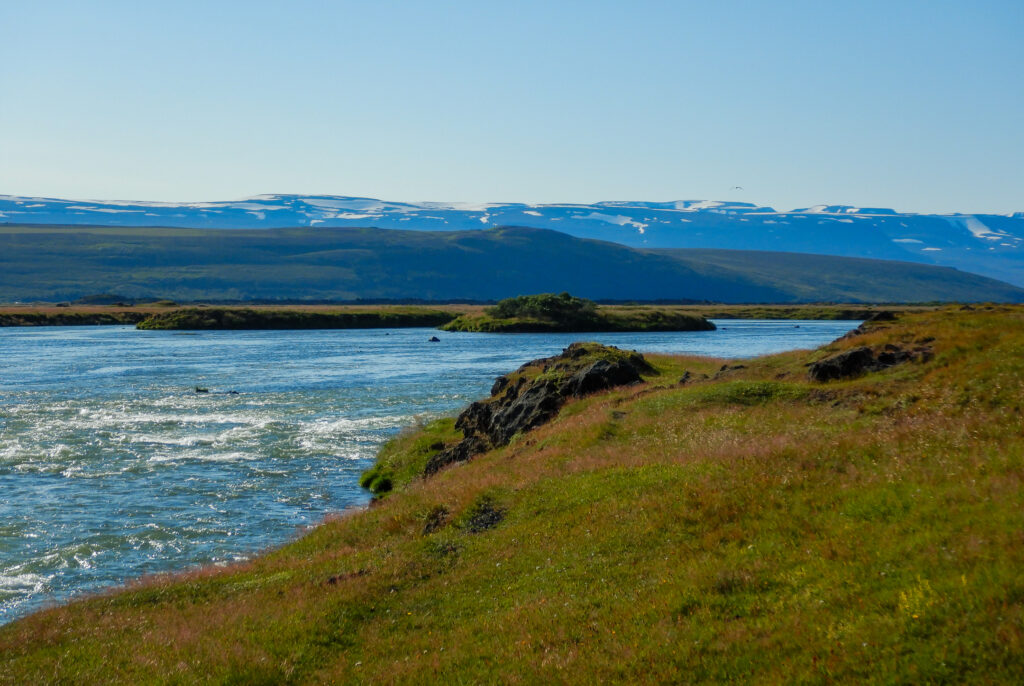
point(747, 525)
point(167, 315)
point(812, 311)
point(69, 317)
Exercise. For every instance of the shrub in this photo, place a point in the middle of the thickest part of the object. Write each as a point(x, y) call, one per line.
point(560, 307)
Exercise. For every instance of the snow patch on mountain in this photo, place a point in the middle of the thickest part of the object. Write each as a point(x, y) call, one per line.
point(977, 228)
point(988, 244)
point(845, 209)
point(619, 219)
point(344, 204)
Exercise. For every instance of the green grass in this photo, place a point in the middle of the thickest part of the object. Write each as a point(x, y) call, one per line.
point(64, 263)
point(403, 458)
point(757, 527)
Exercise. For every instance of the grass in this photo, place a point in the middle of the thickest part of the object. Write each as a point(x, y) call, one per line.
point(607, 318)
point(403, 458)
point(65, 263)
point(754, 527)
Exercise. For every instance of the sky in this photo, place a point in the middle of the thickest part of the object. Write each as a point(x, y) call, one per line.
point(918, 106)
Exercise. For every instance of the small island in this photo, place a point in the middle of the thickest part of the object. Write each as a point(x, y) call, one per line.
point(244, 318)
point(564, 313)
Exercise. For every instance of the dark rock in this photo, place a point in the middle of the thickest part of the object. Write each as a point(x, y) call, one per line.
point(526, 399)
point(868, 324)
point(436, 519)
point(689, 376)
point(726, 368)
point(200, 389)
point(499, 385)
point(882, 316)
point(600, 375)
point(475, 419)
point(843, 365)
point(852, 333)
point(433, 339)
point(536, 405)
point(462, 451)
point(483, 515)
point(861, 360)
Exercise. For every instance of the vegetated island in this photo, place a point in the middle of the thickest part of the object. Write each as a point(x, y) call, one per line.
point(550, 313)
point(206, 318)
point(60, 315)
point(842, 515)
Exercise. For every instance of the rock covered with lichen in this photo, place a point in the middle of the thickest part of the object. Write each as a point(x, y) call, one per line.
point(533, 394)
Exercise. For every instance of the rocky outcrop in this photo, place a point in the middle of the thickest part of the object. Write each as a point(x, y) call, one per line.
point(861, 360)
point(533, 394)
point(870, 324)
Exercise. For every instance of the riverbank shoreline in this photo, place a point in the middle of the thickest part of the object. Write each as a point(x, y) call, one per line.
point(180, 317)
point(848, 513)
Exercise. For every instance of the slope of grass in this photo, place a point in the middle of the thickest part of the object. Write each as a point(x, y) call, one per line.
point(322, 264)
point(748, 525)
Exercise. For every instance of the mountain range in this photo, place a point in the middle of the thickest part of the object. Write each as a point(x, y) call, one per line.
point(54, 263)
point(988, 244)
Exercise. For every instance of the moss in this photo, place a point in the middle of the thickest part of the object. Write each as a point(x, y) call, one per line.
point(403, 458)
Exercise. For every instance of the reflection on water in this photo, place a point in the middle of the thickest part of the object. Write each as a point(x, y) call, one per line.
point(112, 466)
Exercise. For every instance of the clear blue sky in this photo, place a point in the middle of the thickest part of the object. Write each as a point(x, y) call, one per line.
point(912, 105)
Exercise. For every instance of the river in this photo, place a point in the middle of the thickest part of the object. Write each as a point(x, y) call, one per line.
point(112, 466)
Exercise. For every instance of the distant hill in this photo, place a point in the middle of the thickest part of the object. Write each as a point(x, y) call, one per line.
point(67, 263)
point(987, 244)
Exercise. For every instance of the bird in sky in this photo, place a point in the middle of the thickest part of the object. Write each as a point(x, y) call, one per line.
point(736, 188)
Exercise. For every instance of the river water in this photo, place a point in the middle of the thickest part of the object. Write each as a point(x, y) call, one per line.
point(112, 466)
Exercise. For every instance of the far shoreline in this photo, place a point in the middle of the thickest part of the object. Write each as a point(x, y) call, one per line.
point(173, 316)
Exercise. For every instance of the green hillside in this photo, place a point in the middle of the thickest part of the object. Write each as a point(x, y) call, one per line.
point(66, 263)
point(754, 522)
